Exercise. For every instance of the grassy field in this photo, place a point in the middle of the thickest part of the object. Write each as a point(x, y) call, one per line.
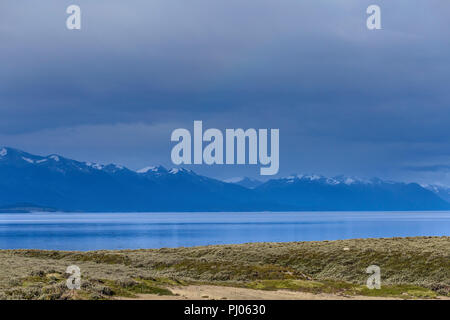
point(411, 268)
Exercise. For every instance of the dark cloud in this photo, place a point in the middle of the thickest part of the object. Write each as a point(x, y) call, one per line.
point(346, 100)
point(432, 168)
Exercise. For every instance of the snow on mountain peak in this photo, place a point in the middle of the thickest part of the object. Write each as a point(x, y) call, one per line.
point(310, 177)
point(154, 169)
point(331, 181)
point(3, 152)
point(147, 169)
point(94, 165)
point(349, 181)
point(28, 160)
point(430, 187)
point(54, 157)
point(178, 170)
point(436, 187)
point(97, 166)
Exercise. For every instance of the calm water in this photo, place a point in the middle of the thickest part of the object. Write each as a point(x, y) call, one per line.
point(91, 231)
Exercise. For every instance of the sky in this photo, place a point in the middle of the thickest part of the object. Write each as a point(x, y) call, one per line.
point(347, 100)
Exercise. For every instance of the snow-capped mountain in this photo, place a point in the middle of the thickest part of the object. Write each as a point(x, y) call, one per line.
point(57, 182)
point(336, 180)
point(18, 158)
point(60, 183)
point(440, 190)
point(153, 170)
point(316, 192)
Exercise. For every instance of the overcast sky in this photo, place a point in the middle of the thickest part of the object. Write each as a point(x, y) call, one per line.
point(347, 100)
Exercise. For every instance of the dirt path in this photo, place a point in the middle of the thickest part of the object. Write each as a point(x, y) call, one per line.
point(207, 292)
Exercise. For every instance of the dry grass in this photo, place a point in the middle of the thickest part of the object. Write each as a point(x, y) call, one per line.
point(410, 267)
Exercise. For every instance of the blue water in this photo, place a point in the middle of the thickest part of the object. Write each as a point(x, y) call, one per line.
point(93, 231)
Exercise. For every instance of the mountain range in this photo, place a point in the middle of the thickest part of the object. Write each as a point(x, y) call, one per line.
point(59, 183)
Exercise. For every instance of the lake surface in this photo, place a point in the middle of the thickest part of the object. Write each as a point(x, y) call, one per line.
point(93, 231)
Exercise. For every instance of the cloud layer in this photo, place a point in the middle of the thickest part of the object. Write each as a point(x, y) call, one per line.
point(346, 99)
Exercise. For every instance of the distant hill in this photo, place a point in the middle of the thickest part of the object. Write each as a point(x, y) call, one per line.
point(25, 208)
point(69, 185)
point(55, 181)
point(245, 182)
point(441, 191)
point(314, 192)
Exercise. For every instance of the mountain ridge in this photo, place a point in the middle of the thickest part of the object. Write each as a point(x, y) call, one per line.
point(54, 181)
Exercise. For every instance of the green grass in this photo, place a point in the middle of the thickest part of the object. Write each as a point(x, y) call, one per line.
point(295, 285)
point(344, 288)
point(130, 288)
point(402, 291)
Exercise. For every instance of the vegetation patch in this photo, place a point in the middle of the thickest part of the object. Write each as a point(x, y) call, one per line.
point(411, 268)
point(233, 271)
point(399, 291)
point(132, 287)
point(344, 288)
point(296, 285)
